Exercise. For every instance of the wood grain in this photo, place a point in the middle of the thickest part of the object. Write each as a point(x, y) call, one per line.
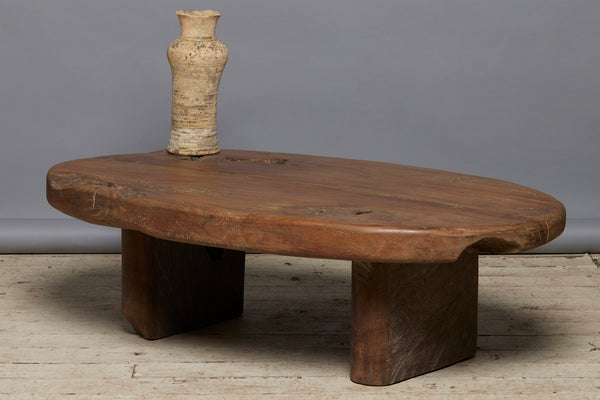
point(170, 287)
point(409, 319)
point(306, 205)
point(62, 335)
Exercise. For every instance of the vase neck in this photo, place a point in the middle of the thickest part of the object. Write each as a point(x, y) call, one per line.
point(198, 24)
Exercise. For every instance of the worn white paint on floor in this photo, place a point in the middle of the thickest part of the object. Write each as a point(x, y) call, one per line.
point(62, 335)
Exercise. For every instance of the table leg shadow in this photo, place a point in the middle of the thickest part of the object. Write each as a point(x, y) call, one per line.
point(407, 319)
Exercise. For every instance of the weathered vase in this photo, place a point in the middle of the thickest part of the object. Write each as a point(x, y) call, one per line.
point(197, 60)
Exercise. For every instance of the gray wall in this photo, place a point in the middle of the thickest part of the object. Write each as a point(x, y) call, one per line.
point(506, 89)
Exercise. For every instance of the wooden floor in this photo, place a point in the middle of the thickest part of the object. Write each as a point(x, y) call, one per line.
point(62, 335)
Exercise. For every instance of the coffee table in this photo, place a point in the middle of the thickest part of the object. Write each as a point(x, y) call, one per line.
point(413, 235)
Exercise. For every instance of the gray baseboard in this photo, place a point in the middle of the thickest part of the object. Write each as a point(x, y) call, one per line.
point(48, 236)
point(74, 236)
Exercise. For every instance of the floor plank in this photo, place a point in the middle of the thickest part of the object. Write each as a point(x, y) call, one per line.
point(62, 335)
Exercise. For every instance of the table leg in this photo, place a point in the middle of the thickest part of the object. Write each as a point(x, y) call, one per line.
point(409, 319)
point(171, 287)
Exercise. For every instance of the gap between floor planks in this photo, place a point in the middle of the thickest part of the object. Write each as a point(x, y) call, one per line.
point(61, 334)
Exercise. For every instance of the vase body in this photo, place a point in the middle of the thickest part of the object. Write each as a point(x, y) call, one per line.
point(197, 60)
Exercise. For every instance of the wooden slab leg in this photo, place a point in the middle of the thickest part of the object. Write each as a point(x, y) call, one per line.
point(171, 287)
point(409, 319)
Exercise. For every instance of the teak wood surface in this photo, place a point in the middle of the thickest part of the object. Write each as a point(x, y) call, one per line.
point(413, 235)
point(412, 318)
point(170, 287)
point(306, 205)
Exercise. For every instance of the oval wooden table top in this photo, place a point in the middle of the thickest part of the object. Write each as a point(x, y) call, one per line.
point(306, 205)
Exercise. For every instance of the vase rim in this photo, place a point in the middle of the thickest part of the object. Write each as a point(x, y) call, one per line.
point(198, 13)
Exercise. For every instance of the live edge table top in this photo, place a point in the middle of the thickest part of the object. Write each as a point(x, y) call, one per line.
point(306, 205)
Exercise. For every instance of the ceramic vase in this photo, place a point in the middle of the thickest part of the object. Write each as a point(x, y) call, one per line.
point(197, 60)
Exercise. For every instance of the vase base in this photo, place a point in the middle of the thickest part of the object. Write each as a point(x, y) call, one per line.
point(193, 143)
